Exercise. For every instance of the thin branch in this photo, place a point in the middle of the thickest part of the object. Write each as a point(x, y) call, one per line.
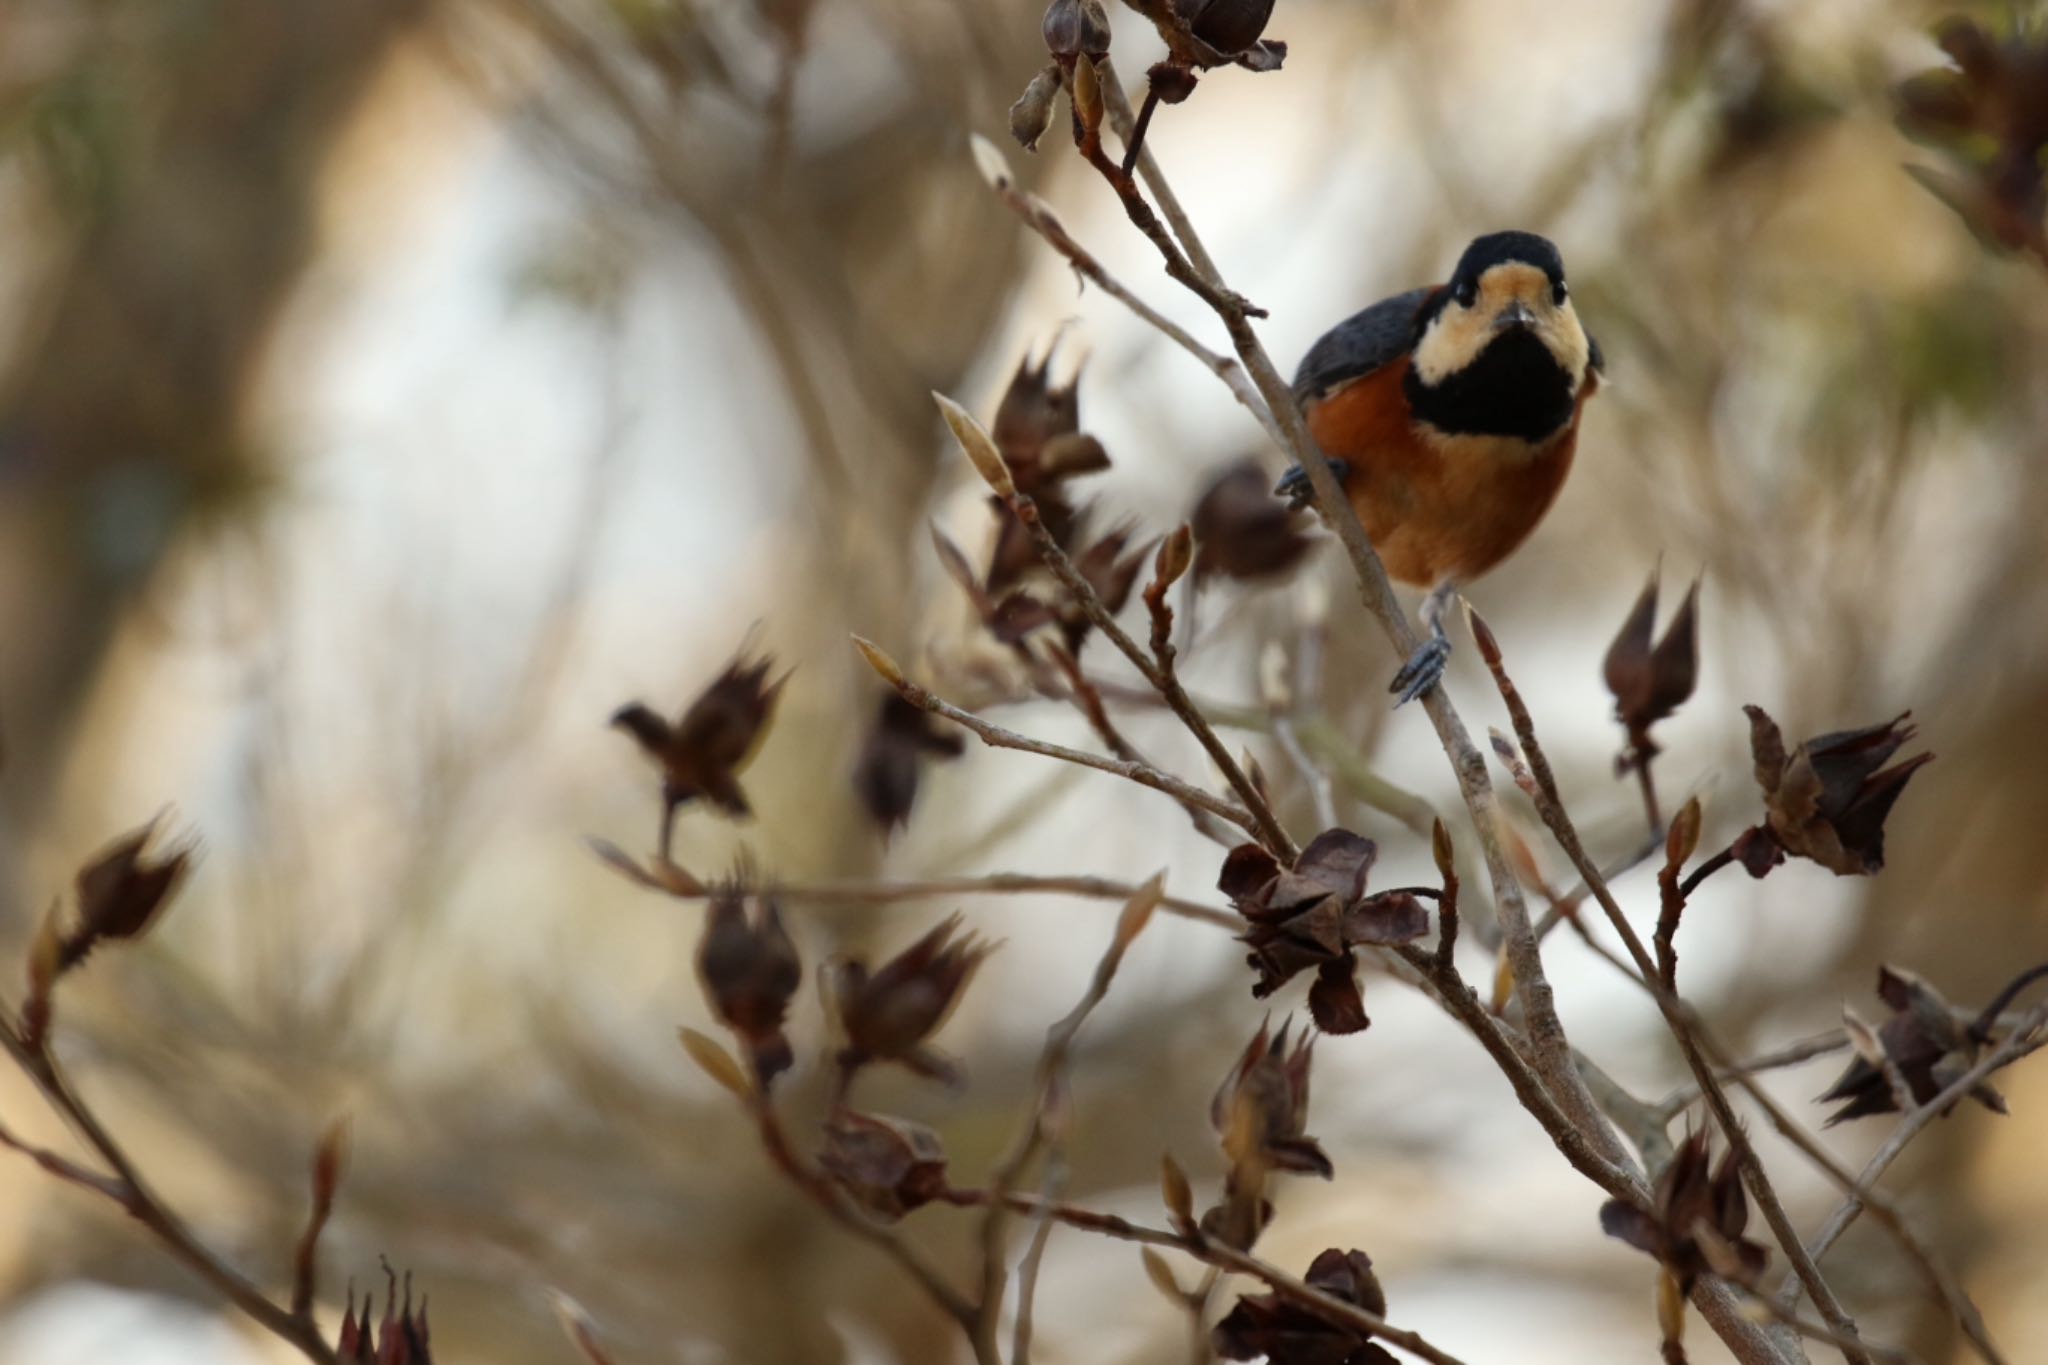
point(1814, 1331)
point(1881, 1208)
point(2024, 1039)
point(1570, 1139)
point(1051, 1189)
point(1704, 871)
point(1087, 698)
point(1143, 774)
point(127, 1188)
point(1041, 1127)
point(1124, 121)
point(1677, 1016)
point(682, 886)
point(1036, 215)
point(1792, 1054)
point(1160, 673)
point(65, 1169)
point(1203, 281)
point(1214, 1253)
point(825, 1195)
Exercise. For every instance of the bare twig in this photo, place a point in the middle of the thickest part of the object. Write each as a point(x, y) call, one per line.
point(1041, 1128)
point(1216, 1254)
point(825, 1195)
point(1093, 888)
point(1087, 697)
point(1814, 1331)
point(1704, 871)
point(1159, 672)
point(1677, 1016)
point(127, 1188)
point(2024, 1039)
point(1036, 215)
point(1881, 1208)
point(997, 737)
point(1792, 1054)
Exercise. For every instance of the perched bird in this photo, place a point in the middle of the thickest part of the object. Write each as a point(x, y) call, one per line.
point(701, 753)
point(1450, 415)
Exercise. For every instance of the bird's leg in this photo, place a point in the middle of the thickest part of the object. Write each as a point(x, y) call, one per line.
point(1295, 487)
point(1425, 667)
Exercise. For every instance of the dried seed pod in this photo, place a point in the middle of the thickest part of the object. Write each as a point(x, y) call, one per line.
point(889, 1014)
point(750, 971)
point(1829, 798)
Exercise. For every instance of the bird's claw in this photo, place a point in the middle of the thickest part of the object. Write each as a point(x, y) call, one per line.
point(1299, 492)
point(1423, 671)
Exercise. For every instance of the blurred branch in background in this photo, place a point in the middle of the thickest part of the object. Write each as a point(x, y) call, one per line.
point(168, 155)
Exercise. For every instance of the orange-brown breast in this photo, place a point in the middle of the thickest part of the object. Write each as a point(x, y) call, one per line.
point(1438, 507)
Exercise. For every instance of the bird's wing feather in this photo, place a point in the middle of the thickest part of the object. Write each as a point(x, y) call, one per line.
point(1360, 344)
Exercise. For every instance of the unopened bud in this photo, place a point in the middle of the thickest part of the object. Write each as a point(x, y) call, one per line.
point(974, 442)
point(1032, 113)
point(888, 1165)
point(1684, 836)
point(879, 661)
point(1087, 94)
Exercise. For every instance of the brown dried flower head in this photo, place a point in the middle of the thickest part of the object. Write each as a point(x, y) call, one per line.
point(1243, 531)
point(121, 892)
point(1284, 1332)
point(701, 754)
point(1262, 1106)
point(1313, 915)
point(1923, 1040)
point(887, 1165)
point(889, 1014)
point(1204, 33)
point(1829, 798)
point(1988, 112)
point(1037, 433)
point(1259, 1114)
point(892, 759)
point(750, 971)
point(1038, 428)
point(1696, 1219)
point(1072, 28)
point(1229, 26)
point(401, 1338)
point(1650, 682)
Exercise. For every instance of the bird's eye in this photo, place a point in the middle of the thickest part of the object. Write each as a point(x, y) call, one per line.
point(1560, 293)
point(1467, 293)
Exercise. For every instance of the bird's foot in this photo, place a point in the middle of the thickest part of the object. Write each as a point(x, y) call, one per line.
point(1423, 671)
point(1299, 492)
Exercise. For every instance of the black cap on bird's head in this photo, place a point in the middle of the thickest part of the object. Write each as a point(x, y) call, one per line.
point(1499, 350)
point(1503, 248)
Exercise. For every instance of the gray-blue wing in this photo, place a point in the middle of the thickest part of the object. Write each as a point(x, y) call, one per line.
point(1359, 345)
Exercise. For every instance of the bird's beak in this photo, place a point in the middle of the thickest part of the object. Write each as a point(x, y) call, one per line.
point(1516, 314)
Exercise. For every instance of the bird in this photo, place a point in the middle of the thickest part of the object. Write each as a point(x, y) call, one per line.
point(1450, 415)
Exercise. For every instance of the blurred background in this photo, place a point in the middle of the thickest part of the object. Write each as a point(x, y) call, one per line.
point(389, 390)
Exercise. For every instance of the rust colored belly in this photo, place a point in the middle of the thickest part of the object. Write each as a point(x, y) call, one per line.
point(1437, 507)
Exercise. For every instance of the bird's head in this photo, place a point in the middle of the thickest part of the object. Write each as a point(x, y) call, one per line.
point(1509, 288)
